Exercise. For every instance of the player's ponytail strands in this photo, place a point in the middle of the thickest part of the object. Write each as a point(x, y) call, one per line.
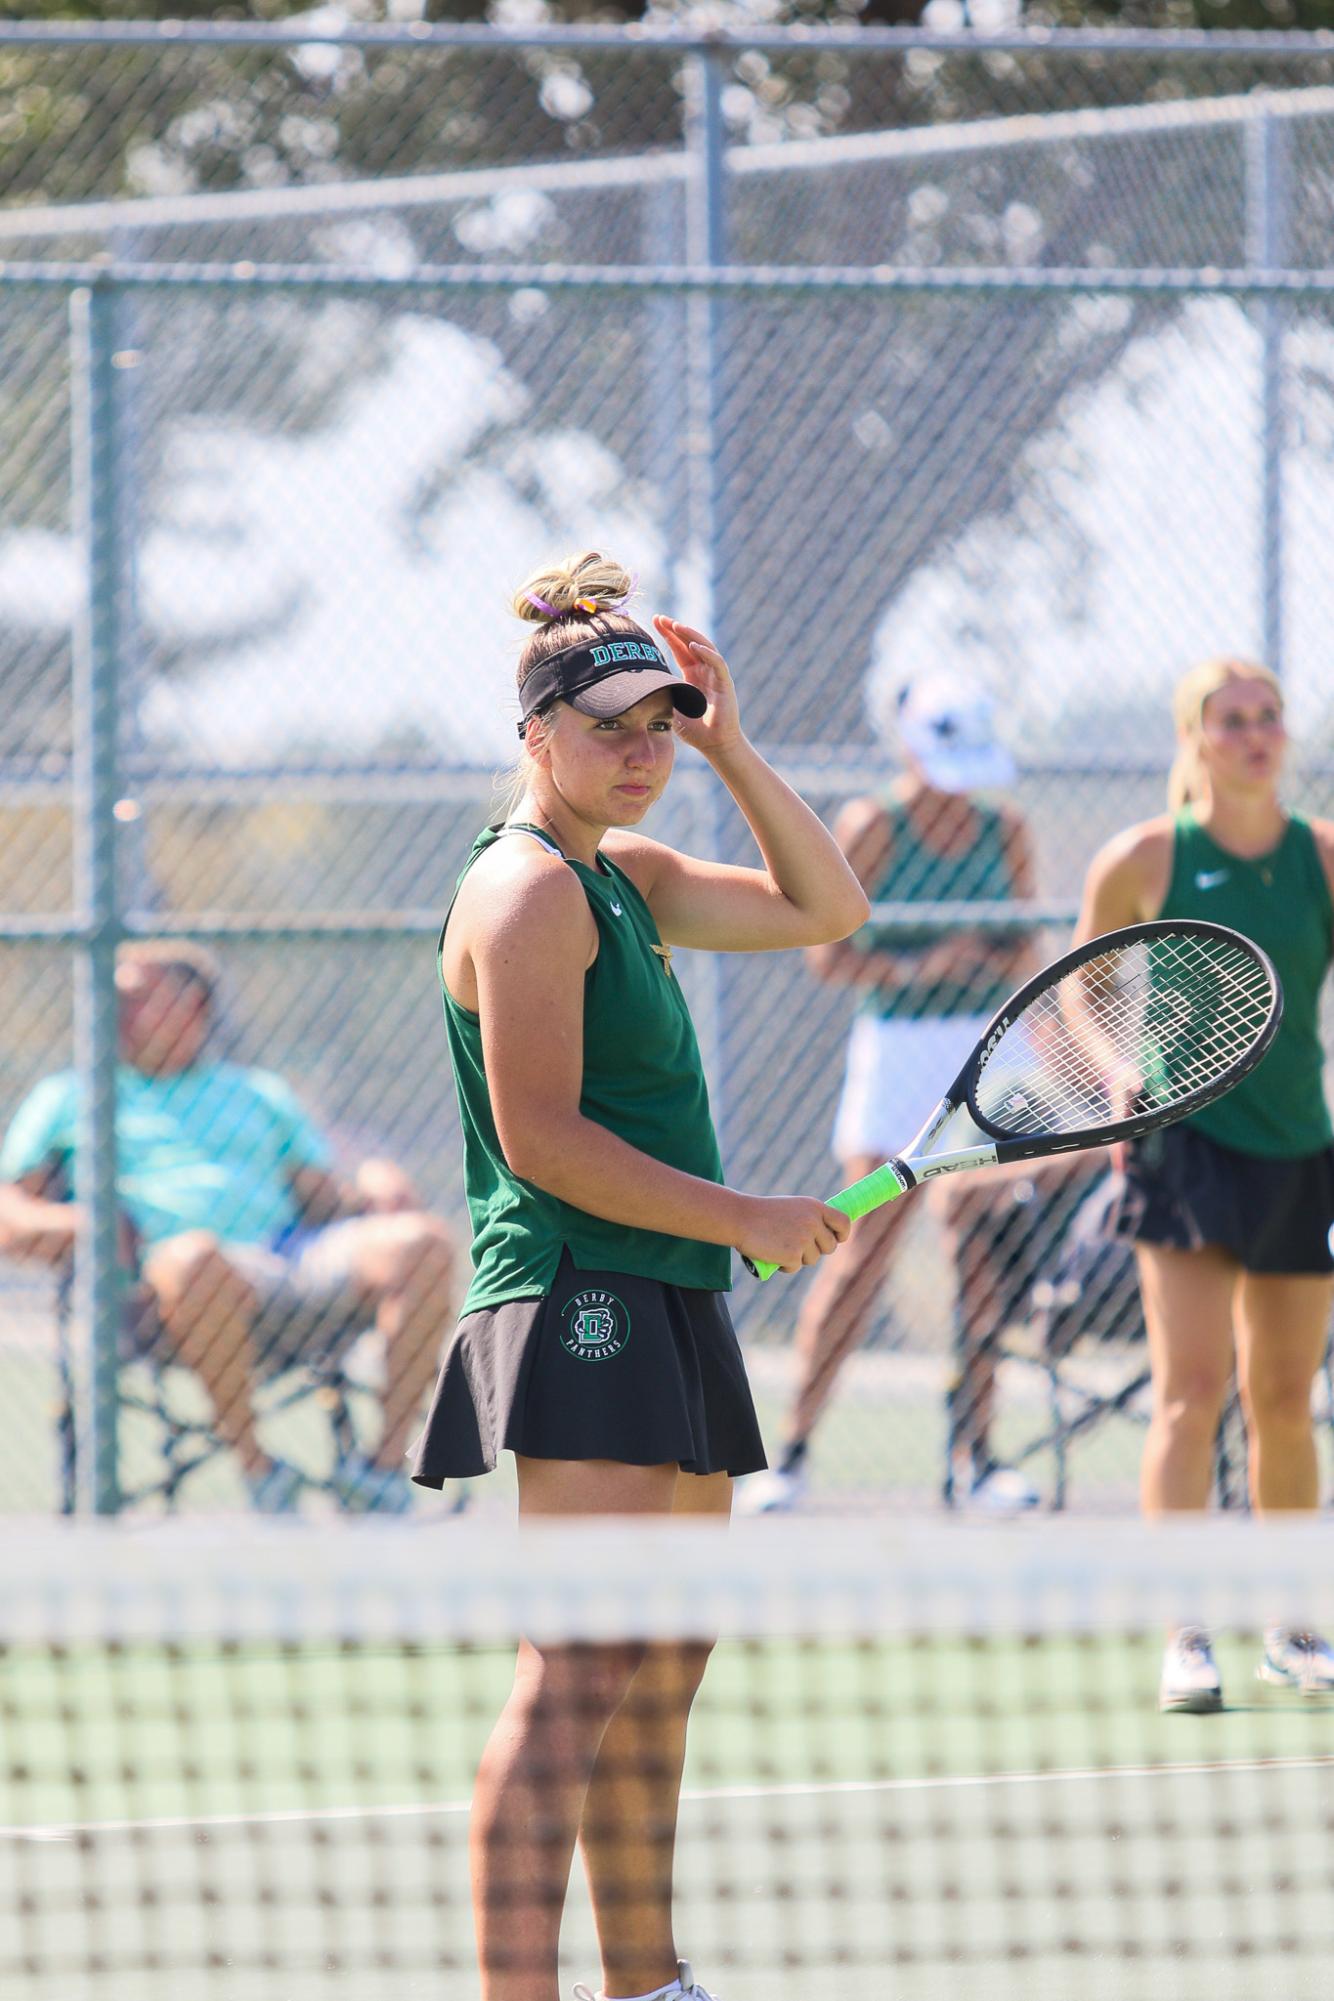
point(1185, 780)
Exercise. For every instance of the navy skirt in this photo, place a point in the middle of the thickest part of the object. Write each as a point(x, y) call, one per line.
point(1185, 1191)
point(606, 1366)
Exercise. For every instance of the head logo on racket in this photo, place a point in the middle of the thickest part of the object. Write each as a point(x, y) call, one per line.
point(595, 1326)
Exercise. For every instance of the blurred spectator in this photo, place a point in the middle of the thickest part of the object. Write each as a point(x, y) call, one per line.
point(243, 1250)
point(924, 995)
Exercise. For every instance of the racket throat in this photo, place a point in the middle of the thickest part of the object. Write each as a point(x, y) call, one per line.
point(925, 1166)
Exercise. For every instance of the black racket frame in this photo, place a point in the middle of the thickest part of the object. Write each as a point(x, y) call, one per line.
point(1035, 1146)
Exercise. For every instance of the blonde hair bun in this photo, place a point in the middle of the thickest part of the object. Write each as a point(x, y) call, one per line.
point(582, 585)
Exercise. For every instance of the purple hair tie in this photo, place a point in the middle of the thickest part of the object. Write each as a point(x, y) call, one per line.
point(542, 604)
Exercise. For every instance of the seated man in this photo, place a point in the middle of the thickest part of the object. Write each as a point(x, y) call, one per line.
point(240, 1242)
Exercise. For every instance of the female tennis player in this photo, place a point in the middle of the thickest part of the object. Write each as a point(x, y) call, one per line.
point(1231, 1211)
point(923, 998)
point(595, 1342)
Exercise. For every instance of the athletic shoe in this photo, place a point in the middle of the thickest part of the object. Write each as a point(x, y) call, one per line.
point(1297, 1660)
point(367, 1489)
point(276, 1488)
point(1190, 1678)
point(773, 1493)
point(690, 1987)
point(1001, 1490)
point(685, 1988)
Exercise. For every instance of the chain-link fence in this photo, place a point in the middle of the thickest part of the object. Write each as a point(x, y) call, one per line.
point(879, 355)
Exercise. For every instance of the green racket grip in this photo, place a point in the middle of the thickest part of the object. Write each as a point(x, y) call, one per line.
point(884, 1184)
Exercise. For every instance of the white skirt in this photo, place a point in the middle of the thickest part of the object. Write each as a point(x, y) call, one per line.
point(897, 1072)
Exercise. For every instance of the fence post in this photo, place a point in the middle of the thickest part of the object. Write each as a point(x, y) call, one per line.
point(706, 246)
point(1266, 248)
point(96, 663)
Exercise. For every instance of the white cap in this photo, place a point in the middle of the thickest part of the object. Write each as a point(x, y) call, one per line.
point(948, 725)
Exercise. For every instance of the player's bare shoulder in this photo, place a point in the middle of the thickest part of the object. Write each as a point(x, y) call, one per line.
point(861, 817)
point(1322, 833)
point(521, 882)
point(1128, 878)
point(1143, 852)
point(519, 897)
point(864, 830)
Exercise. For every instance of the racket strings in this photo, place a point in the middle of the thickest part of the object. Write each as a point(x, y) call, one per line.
point(1136, 1031)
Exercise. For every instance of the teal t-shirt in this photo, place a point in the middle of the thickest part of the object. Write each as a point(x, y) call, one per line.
point(213, 1148)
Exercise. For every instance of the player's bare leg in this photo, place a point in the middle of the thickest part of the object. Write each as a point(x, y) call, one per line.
point(628, 1831)
point(534, 1777)
point(1188, 1301)
point(1282, 1327)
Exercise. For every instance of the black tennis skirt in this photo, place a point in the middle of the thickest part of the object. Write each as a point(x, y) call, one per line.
point(1184, 1191)
point(605, 1367)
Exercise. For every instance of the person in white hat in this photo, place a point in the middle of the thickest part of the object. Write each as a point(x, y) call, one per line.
point(923, 998)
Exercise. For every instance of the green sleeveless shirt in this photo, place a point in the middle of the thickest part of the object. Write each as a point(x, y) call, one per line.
point(917, 873)
point(643, 1080)
point(1282, 901)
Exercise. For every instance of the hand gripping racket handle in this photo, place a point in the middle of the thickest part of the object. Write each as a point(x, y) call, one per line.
point(885, 1184)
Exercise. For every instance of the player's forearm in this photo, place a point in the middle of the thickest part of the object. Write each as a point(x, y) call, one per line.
point(31, 1227)
point(950, 961)
point(845, 965)
point(803, 860)
point(583, 1164)
point(975, 956)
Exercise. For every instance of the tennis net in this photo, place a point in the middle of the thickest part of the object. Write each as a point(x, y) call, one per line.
point(926, 1760)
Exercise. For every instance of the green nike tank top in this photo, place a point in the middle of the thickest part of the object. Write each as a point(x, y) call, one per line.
point(643, 1080)
point(1280, 900)
point(917, 873)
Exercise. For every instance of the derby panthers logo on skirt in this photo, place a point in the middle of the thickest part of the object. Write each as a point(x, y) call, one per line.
point(595, 1326)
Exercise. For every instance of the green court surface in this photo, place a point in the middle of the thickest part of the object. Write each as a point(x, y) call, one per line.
point(884, 1821)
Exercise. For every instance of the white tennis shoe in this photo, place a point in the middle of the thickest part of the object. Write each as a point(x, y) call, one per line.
point(684, 1988)
point(1000, 1490)
point(1190, 1680)
point(1297, 1660)
point(774, 1492)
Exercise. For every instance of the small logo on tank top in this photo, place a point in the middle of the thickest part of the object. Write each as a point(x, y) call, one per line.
point(1211, 878)
point(616, 910)
point(595, 1326)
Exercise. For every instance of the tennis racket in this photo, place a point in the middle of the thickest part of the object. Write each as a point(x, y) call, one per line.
point(1125, 1034)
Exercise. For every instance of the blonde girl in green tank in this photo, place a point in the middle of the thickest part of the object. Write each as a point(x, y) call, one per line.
point(569, 1035)
point(1231, 1214)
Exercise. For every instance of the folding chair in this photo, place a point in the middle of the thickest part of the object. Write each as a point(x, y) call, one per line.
point(187, 1439)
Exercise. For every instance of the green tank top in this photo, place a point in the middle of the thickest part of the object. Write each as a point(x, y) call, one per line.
point(1282, 901)
point(917, 873)
point(643, 1080)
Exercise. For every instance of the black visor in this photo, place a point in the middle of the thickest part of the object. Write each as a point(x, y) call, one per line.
point(604, 677)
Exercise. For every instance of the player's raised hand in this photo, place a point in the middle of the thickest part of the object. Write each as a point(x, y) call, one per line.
point(719, 729)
